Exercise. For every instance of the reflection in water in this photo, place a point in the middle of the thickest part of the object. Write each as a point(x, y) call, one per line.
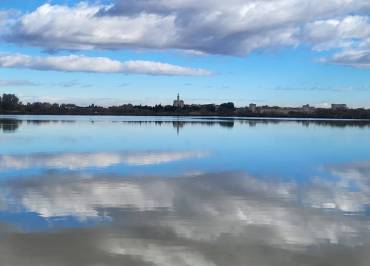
point(190, 220)
point(103, 202)
point(252, 122)
point(181, 124)
point(74, 161)
point(9, 125)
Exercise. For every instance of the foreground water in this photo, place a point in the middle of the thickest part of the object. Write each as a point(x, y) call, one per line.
point(183, 191)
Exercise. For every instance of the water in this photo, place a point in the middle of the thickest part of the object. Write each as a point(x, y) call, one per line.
point(183, 191)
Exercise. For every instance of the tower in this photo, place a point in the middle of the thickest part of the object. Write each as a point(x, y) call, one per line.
point(178, 103)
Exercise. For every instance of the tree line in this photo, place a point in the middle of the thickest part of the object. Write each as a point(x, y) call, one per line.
point(10, 104)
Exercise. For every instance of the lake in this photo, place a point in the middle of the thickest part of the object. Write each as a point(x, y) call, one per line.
point(83, 190)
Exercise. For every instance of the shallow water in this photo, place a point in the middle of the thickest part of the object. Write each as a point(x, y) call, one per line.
point(183, 191)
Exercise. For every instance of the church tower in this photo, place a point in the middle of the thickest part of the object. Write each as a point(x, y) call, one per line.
point(178, 103)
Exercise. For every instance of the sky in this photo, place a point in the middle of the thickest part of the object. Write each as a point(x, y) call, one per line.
point(110, 52)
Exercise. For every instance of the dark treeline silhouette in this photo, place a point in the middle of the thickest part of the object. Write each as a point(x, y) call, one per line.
point(10, 104)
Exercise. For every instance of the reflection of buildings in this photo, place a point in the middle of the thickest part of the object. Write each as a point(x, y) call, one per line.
point(227, 124)
point(178, 103)
point(178, 125)
point(252, 123)
point(181, 124)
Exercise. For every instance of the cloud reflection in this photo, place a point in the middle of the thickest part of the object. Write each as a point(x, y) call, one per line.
point(67, 196)
point(206, 219)
point(348, 191)
point(217, 203)
point(73, 161)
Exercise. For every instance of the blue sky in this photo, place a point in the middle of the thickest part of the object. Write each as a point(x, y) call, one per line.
point(145, 52)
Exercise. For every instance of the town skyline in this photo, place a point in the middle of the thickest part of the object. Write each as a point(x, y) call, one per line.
point(179, 102)
point(10, 104)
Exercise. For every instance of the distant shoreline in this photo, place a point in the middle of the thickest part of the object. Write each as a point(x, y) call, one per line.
point(10, 105)
point(199, 116)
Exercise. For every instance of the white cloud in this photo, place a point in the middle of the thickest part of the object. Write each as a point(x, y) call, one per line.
point(235, 27)
point(81, 27)
point(349, 37)
point(338, 33)
point(352, 58)
point(79, 63)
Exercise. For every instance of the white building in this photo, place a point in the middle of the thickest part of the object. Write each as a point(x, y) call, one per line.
point(178, 103)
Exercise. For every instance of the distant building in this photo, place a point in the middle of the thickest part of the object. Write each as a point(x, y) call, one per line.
point(178, 103)
point(335, 106)
point(306, 108)
point(69, 106)
point(252, 107)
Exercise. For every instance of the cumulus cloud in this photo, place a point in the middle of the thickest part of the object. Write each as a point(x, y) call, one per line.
point(344, 33)
point(352, 58)
point(79, 63)
point(235, 27)
point(349, 36)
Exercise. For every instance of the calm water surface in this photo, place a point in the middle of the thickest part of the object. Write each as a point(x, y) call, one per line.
point(183, 191)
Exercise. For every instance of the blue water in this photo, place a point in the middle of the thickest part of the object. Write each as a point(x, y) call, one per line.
point(183, 191)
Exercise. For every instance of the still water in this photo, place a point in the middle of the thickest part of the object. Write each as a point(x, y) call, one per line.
point(183, 191)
